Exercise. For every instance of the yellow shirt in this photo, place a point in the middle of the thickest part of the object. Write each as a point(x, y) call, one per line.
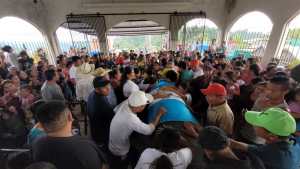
point(222, 117)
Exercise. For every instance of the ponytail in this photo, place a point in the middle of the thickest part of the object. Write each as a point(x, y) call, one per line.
point(162, 162)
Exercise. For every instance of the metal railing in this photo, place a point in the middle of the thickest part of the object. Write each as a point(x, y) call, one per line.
point(247, 43)
point(290, 47)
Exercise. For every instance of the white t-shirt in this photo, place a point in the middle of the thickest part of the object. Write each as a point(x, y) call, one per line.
point(197, 73)
point(180, 159)
point(129, 87)
point(73, 72)
point(121, 127)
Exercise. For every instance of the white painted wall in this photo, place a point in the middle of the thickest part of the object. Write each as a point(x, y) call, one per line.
point(279, 11)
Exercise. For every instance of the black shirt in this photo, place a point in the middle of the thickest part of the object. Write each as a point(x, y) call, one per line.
point(25, 63)
point(100, 114)
point(246, 161)
point(68, 152)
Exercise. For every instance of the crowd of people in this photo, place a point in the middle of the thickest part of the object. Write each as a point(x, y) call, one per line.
point(161, 110)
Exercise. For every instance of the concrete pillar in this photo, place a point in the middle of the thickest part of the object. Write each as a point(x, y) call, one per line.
point(103, 45)
point(53, 46)
point(173, 39)
point(184, 37)
point(273, 43)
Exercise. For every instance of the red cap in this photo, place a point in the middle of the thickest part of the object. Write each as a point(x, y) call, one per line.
point(216, 89)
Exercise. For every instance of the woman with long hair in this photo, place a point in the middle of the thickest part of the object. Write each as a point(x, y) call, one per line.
point(170, 152)
point(128, 86)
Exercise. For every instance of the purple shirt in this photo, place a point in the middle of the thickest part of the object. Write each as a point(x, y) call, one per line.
point(294, 107)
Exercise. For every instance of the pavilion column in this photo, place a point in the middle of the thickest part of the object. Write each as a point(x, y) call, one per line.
point(53, 47)
point(178, 20)
point(103, 44)
point(274, 41)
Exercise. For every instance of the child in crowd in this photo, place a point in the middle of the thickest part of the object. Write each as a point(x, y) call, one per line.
point(27, 98)
point(171, 151)
point(294, 108)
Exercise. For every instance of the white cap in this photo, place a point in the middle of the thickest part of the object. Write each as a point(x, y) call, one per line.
point(139, 98)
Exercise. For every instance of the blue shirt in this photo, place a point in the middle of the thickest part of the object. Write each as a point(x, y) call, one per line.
point(280, 155)
point(34, 134)
point(298, 129)
point(176, 111)
point(162, 83)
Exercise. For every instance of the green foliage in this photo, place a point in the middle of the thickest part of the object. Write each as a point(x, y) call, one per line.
point(293, 37)
point(195, 33)
point(138, 42)
point(294, 33)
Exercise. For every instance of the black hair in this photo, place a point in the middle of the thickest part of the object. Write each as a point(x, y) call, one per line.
point(256, 80)
point(291, 96)
point(34, 108)
point(150, 72)
point(50, 74)
point(127, 70)
point(251, 61)
point(270, 67)
point(172, 76)
point(168, 140)
point(23, 53)
point(137, 70)
point(239, 64)
point(51, 114)
point(220, 80)
point(26, 87)
point(6, 48)
point(164, 62)
point(75, 59)
point(69, 63)
point(295, 73)
point(113, 73)
point(3, 83)
point(41, 165)
point(255, 69)
point(230, 75)
point(182, 65)
point(284, 81)
point(162, 162)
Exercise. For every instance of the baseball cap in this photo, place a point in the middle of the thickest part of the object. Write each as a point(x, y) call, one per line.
point(139, 98)
point(275, 120)
point(215, 88)
point(213, 138)
point(100, 82)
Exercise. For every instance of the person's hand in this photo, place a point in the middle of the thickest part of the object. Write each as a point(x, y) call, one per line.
point(162, 111)
point(190, 130)
point(12, 109)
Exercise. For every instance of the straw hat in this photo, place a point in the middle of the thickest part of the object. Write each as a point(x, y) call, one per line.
point(99, 72)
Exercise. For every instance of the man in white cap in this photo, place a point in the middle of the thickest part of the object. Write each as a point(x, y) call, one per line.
point(125, 122)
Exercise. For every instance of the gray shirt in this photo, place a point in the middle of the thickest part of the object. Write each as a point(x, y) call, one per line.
point(52, 92)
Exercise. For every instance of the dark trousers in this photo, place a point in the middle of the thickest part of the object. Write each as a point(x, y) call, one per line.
point(118, 162)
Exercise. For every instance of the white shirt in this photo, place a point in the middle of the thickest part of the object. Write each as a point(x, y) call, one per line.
point(84, 86)
point(180, 159)
point(129, 87)
point(121, 127)
point(197, 73)
point(73, 72)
